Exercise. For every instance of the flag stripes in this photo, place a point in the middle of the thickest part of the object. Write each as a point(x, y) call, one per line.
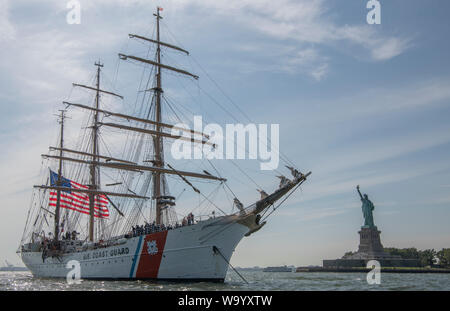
point(77, 201)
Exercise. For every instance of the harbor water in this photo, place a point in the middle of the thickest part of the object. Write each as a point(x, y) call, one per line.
point(257, 281)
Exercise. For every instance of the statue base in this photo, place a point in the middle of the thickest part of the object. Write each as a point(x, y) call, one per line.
point(370, 248)
point(370, 242)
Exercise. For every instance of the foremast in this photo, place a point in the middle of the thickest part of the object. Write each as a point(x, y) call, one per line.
point(95, 180)
point(94, 185)
point(59, 181)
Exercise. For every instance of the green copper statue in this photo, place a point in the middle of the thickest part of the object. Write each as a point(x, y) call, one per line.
point(367, 208)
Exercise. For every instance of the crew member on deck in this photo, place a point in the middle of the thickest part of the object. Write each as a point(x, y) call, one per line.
point(263, 194)
point(283, 181)
point(240, 206)
point(294, 172)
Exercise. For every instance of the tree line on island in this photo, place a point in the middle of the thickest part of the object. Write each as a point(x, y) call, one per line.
point(427, 257)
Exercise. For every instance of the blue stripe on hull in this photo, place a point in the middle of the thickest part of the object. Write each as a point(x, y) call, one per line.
point(138, 248)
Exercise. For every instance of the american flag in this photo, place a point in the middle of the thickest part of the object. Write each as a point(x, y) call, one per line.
point(77, 201)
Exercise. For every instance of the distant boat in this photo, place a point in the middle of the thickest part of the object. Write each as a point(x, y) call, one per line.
point(279, 269)
point(10, 267)
point(256, 268)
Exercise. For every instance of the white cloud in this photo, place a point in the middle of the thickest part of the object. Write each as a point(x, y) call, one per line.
point(319, 72)
point(7, 31)
point(384, 148)
point(336, 186)
point(388, 48)
point(303, 22)
point(373, 102)
point(320, 213)
point(380, 47)
point(285, 59)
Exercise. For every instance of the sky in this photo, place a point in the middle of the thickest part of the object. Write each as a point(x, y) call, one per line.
point(356, 103)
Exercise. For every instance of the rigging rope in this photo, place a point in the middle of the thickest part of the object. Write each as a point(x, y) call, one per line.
point(216, 250)
point(282, 155)
point(284, 199)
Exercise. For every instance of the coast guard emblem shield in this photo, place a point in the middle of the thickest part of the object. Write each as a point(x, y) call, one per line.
point(152, 248)
point(151, 255)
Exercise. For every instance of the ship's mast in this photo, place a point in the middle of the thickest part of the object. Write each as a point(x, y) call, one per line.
point(94, 188)
point(94, 175)
point(157, 139)
point(59, 182)
point(158, 134)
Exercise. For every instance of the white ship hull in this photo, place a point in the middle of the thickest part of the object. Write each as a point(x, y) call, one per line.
point(186, 253)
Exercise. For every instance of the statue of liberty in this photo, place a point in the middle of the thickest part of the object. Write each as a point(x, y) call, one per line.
point(367, 208)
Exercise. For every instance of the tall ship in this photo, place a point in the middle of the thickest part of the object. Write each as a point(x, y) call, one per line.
point(106, 203)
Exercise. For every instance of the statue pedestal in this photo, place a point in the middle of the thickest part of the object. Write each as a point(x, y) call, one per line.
point(370, 242)
point(370, 248)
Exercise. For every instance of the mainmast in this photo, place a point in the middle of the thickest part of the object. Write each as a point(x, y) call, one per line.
point(157, 139)
point(59, 182)
point(94, 176)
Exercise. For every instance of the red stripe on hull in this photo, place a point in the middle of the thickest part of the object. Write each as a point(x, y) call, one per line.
point(151, 255)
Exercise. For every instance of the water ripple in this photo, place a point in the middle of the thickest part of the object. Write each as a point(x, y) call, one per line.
point(257, 280)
